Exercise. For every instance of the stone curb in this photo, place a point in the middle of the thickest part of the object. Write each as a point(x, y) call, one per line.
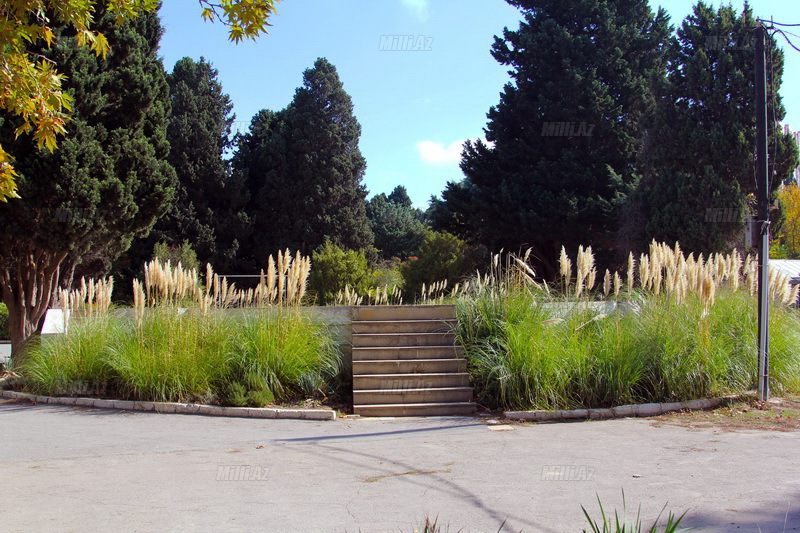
point(624, 411)
point(177, 408)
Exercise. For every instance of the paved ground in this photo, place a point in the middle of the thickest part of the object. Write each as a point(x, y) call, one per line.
point(67, 469)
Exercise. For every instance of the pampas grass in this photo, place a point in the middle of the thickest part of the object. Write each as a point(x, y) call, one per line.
point(690, 333)
point(178, 346)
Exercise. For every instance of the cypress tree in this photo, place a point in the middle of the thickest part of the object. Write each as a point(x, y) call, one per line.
point(699, 161)
point(303, 168)
point(106, 184)
point(208, 207)
point(563, 139)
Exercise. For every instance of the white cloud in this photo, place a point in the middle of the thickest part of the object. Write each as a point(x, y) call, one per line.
point(418, 7)
point(438, 154)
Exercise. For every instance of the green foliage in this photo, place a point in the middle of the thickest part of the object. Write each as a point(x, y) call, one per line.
point(251, 359)
point(699, 163)
point(208, 206)
point(285, 353)
point(303, 170)
point(525, 351)
point(32, 87)
point(387, 274)
point(75, 364)
point(399, 196)
point(397, 226)
point(442, 256)
point(621, 524)
point(333, 268)
point(106, 184)
point(173, 357)
point(3, 322)
point(183, 254)
point(532, 184)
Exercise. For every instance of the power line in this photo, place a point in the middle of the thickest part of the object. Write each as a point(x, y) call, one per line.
point(778, 23)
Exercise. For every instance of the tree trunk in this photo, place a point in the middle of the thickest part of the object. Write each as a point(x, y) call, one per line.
point(27, 281)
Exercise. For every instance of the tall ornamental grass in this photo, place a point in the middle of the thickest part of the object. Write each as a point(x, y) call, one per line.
point(77, 364)
point(183, 343)
point(684, 329)
point(288, 353)
point(173, 356)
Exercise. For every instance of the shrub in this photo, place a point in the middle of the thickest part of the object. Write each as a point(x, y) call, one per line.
point(387, 274)
point(442, 256)
point(332, 269)
point(4, 332)
point(183, 254)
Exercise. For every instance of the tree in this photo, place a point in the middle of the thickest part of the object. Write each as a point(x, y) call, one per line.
point(208, 206)
point(397, 226)
point(698, 165)
point(107, 183)
point(442, 257)
point(31, 85)
point(303, 169)
point(790, 204)
point(562, 142)
point(399, 195)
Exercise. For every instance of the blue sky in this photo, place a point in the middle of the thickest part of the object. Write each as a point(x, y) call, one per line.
point(415, 107)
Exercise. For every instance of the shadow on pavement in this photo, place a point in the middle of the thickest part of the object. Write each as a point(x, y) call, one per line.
point(376, 433)
point(762, 520)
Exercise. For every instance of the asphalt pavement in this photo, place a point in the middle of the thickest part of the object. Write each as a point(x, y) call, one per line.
point(75, 469)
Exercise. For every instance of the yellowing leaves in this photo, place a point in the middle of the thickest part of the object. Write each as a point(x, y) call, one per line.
point(790, 201)
point(30, 87)
point(246, 19)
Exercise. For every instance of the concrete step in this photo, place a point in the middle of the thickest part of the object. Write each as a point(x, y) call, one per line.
point(408, 366)
point(404, 312)
point(407, 352)
point(420, 409)
point(402, 339)
point(423, 395)
point(400, 382)
point(405, 326)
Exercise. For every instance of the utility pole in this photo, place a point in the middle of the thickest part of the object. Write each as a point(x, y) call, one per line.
point(762, 187)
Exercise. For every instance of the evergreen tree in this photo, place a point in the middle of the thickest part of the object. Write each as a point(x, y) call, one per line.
point(563, 139)
point(108, 181)
point(208, 206)
point(699, 162)
point(399, 195)
point(397, 226)
point(303, 168)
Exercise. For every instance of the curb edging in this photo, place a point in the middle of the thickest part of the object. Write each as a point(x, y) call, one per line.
point(623, 411)
point(176, 408)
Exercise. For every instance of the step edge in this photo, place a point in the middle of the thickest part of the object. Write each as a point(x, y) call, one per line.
point(426, 374)
point(448, 404)
point(412, 391)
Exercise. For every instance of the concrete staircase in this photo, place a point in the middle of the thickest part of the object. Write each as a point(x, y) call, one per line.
point(406, 362)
